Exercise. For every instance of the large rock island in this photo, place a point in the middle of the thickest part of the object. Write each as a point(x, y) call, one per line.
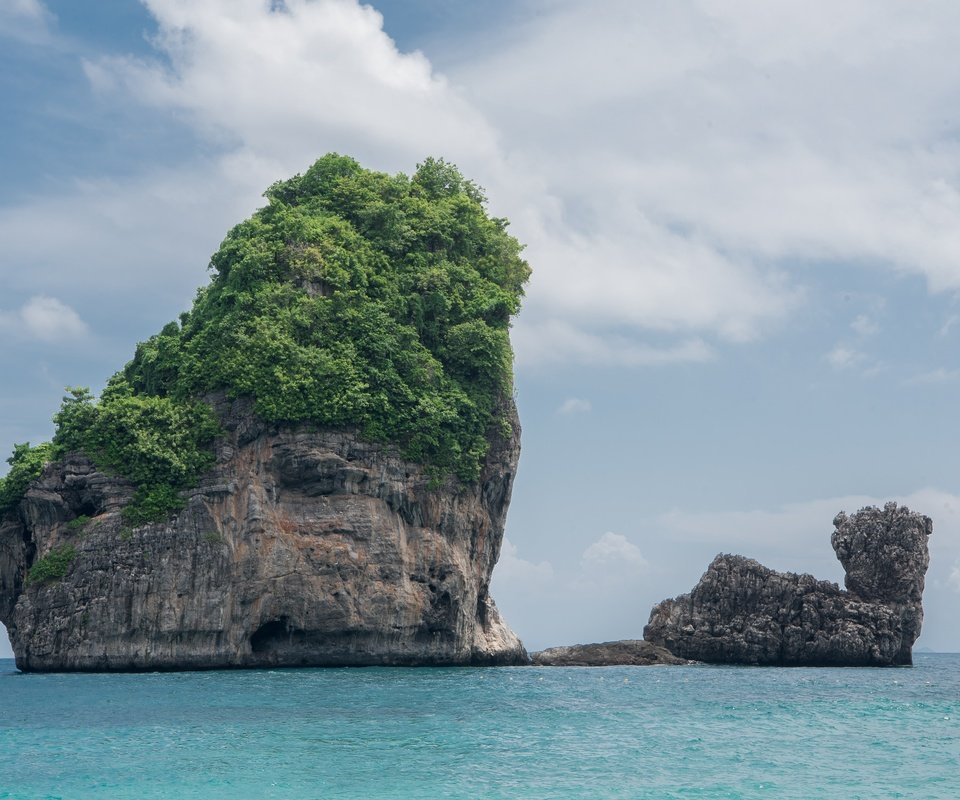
point(313, 467)
point(744, 613)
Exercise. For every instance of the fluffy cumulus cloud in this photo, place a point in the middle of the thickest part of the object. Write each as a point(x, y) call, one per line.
point(46, 319)
point(286, 81)
point(613, 551)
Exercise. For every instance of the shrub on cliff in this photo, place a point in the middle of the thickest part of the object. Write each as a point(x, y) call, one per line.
point(53, 566)
point(26, 464)
point(353, 299)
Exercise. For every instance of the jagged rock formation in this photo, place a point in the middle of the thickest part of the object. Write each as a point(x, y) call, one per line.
point(627, 652)
point(300, 547)
point(744, 613)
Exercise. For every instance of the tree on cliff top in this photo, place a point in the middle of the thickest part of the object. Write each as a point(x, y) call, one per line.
point(352, 299)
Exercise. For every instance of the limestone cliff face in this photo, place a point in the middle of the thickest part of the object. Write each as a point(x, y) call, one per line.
point(744, 613)
point(301, 547)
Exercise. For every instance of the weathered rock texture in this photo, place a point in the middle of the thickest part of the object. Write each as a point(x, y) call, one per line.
point(743, 613)
point(301, 547)
point(627, 652)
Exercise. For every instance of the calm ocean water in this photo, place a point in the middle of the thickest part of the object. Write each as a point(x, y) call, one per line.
point(618, 732)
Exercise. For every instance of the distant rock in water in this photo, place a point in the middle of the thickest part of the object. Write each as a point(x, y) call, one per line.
point(744, 613)
point(627, 652)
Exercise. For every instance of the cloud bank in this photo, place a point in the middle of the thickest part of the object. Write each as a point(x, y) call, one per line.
point(669, 165)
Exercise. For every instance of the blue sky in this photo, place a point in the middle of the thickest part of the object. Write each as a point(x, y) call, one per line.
point(743, 220)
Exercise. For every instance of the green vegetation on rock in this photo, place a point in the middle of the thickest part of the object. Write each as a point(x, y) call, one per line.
point(53, 566)
point(159, 444)
point(353, 299)
point(78, 523)
point(26, 463)
point(357, 299)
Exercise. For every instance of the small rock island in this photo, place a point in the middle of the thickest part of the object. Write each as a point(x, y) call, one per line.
point(621, 653)
point(744, 613)
point(311, 467)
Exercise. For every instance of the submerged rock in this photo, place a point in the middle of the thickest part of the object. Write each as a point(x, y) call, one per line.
point(626, 652)
point(301, 547)
point(744, 613)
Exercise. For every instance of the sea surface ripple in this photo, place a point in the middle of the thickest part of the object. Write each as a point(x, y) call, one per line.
point(734, 733)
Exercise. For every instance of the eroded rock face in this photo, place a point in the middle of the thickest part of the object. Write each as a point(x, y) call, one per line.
point(744, 613)
point(301, 547)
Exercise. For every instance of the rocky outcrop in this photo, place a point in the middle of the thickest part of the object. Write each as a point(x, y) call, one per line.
point(744, 613)
point(301, 547)
point(626, 652)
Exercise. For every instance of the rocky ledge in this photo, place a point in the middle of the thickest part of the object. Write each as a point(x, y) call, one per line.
point(301, 547)
point(627, 652)
point(744, 613)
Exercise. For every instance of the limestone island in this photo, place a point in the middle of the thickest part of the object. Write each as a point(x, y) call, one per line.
point(311, 467)
point(744, 613)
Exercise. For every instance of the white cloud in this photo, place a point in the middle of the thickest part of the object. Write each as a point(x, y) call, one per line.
point(758, 133)
point(513, 570)
point(844, 357)
point(939, 375)
point(613, 551)
point(575, 405)
point(24, 9)
point(131, 242)
point(560, 342)
point(44, 318)
point(865, 326)
point(291, 83)
point(595, 599)
point(27, 20)
point(283, 87)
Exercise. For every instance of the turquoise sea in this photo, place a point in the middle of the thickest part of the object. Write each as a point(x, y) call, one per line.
point(617, 732)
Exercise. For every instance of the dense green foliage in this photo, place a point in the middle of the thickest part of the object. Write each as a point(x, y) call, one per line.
point(354, 299)
point(159, 444)
point(53, 566)
point(156, 442)
point(25, 466)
